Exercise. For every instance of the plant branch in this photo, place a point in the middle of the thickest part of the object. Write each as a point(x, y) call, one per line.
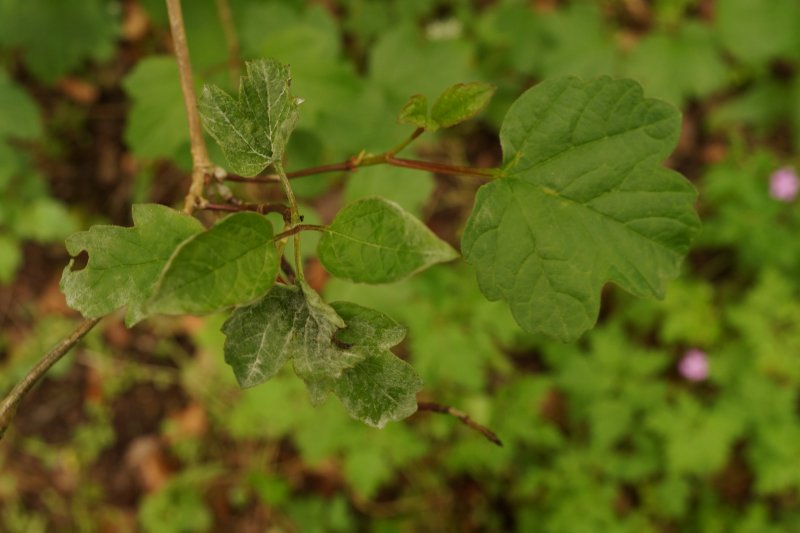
point(257, 208)
point(397, 149)
point(201, 164)
point(294, 230)
point(231, 39)
point(9, 406)
point(442, 168)
point(463, 417)
point(354, 163)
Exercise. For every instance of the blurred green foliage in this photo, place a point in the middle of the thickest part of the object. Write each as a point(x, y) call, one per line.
point(601, 435)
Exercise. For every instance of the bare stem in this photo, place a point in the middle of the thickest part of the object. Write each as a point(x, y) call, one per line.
point(463, 417)
point(201, 163)
point(355, 163)
point(10, 403)
point(294, 230)
point(231, 39)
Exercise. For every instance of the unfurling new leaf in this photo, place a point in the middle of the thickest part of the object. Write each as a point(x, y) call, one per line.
point(124, 263)
point(582, 200)
point(455, 105)
point(252, 131)
point(376, 241)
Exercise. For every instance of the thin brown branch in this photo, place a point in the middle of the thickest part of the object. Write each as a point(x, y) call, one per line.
point(9, 406)
point(288, 270)
point(463, 417)
point(231, 39)
point(344, 166)
point(355, 163)
point(257, 208)
point(442, 168)
point(294, 230)
point(201, 163)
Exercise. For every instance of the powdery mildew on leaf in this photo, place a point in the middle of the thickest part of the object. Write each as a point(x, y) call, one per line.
point(290, 322)
point(583, 200)
point(124, 263)
point(232, 263)
point(381, 387)
point(253, 130)
point(374, 240)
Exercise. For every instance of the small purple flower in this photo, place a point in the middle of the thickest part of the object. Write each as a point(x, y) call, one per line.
point(694, 365)
point(784, 184)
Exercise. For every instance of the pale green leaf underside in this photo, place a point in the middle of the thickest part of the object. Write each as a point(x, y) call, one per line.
point(461, 102)
point(232, 263)
point(583, 201)
point(381, 387)
point(253, 130)
point(124, 263)
point(290, 322)
point(376, 241)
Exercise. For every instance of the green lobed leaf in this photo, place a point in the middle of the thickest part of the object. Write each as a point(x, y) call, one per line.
point(415, 112)
point(234, 262)
point(381, 387)
point(583, 200)
point(124, 263)
point(290, 322)
point(461, 102)
point(253, 130)
point(376, 241)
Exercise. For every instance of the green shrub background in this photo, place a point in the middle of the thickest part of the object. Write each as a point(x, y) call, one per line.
point(146, 429)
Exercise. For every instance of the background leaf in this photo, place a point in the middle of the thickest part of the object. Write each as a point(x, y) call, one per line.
point(253, 130)
point(583, 201)
point(158, 126)
point(124, 263)
point(232, 263)
point(375, 241)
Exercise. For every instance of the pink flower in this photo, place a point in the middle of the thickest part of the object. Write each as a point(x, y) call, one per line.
point(784, 184)
point(694, 365)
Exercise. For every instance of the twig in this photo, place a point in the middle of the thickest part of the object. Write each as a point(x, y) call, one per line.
point(294, 230)
point(231, 39)
point(354, 163)
point(201, 164)
point(288, 270)
point(9, 406)
point(463, 417)
point(262, 209)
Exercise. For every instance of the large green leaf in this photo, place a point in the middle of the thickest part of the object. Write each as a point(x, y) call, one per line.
point(233, 263)
point(583, 200)
point(124, 263)
point(376, 241)
point(253, 130)
point(288, 323)
point(381, 387)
